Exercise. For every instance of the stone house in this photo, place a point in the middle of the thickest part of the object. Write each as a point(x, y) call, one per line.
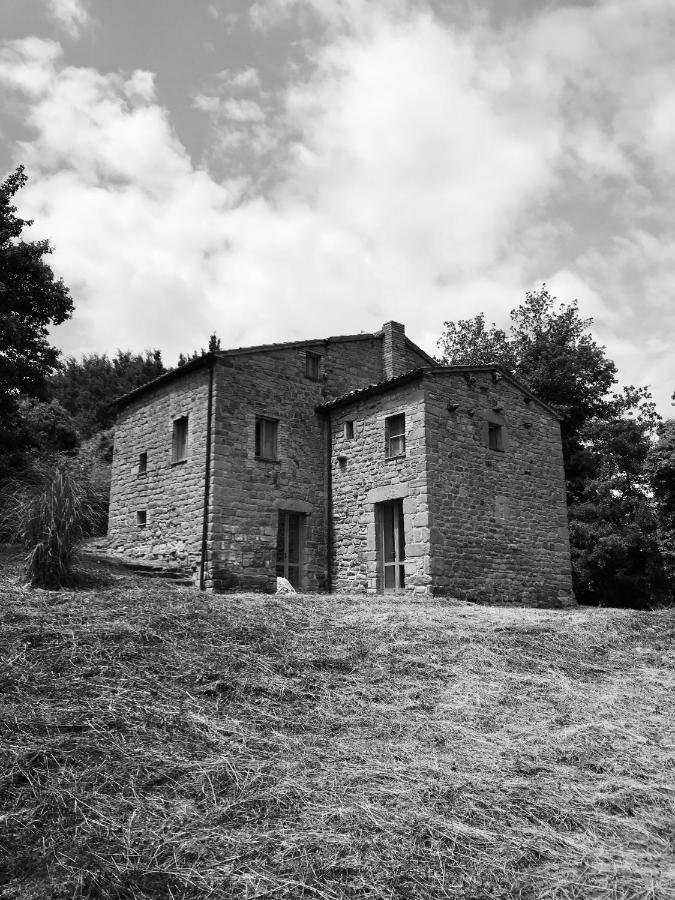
point(354, 463)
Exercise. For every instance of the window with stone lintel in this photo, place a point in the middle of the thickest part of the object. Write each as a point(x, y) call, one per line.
point(394, 436)
point(266, 433)
point(179, 444)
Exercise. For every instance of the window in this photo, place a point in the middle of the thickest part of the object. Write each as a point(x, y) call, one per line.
point(495, 437)
point(141, 518)
point(266, 438)
point(142, 463)
point(312, 366)
point(349, 430)
point(394, 435)
point(180, 440)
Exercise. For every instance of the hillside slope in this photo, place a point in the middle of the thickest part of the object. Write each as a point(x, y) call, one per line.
point(160, 743)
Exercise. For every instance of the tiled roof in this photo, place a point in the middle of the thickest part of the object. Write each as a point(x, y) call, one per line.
point(207, 358)
point(433, 371)
point(378, 387)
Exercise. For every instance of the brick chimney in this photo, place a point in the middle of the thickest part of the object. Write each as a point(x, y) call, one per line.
point(393, 349)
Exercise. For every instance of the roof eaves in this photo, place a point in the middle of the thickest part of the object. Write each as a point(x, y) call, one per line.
point(194, 364)
point(378, 388)
point(167, 377)
point(263, 348)
point(436, 370)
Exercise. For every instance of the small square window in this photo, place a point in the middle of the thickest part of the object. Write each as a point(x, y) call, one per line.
point(142, 463)
point(266, 431)
point(312, 366)
point(141, 518)
point(179, 445)
point(349, 430)
point(394, 434)
point(495, 437)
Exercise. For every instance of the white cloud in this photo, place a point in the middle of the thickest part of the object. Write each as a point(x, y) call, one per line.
point(243, 111)
point(206, 103)
point(433, 173)
point(27, 65)
point(244, 78)
point(72, 15)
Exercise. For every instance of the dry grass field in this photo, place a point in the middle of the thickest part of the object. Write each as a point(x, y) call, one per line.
point(160, 743)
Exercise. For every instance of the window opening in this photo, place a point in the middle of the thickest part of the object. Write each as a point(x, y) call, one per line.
point(495, 437)
point(290, 540)
point(180, 440)
point(349, 430)
point(266, 431)
point(141, 518)
point(312, 366)
point(394, 429)
point(142, 463)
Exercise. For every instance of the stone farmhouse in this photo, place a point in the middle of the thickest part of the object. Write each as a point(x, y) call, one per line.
point(354, 463)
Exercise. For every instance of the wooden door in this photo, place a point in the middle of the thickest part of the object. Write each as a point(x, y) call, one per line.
point(290, 536)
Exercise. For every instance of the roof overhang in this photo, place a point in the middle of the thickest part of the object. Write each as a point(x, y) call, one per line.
point(495, 371)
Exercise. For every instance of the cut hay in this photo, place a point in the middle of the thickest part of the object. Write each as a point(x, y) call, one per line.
point(160, 743)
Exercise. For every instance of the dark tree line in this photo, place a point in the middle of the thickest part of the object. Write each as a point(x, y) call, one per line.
point(31, 300)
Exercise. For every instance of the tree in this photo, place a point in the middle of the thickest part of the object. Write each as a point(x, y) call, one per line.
point(31, 300)
point(662, 473)
point(47, 427)
point(87, 388)
point(214, 345)
point(606, 438)
point(661, 468)
point(548, 348)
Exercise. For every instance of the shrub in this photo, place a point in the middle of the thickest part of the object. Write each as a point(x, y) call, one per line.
point(51, 515)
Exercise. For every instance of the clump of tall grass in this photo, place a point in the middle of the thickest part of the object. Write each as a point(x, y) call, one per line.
point(51, 514)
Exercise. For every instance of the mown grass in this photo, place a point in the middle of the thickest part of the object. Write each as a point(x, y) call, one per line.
point(159, 743)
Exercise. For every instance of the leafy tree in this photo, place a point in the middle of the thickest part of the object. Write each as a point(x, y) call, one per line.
point(548, 348)
point(214, 345)
point(47, 427)
point(662, 473)
point(87, 388)
point(661, 468)
point(606, 439)
point(31, 300)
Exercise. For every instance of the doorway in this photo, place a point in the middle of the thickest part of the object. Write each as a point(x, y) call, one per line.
point(290, 537)
point(390, 545)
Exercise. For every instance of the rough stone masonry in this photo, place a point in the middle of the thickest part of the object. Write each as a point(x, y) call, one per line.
point(352, 463)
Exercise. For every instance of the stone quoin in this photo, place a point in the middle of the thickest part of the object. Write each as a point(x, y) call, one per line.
point(353, 463)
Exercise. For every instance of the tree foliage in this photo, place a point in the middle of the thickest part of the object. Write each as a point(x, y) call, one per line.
point(661, 469)
point(214, 345)
point(31, 299)
point(88, 387)
point(606, 438)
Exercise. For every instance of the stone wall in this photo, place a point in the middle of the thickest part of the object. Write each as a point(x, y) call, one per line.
point(362, 476)
point(348, 365)
point(414, 360)
point(248, 492)
point(479, 522)
point(170, 494)
point(498, 518)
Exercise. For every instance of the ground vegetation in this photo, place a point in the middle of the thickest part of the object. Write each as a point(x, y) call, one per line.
point(158, 743)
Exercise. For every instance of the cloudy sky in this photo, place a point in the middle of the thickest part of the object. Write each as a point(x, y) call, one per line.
point(283, 169)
